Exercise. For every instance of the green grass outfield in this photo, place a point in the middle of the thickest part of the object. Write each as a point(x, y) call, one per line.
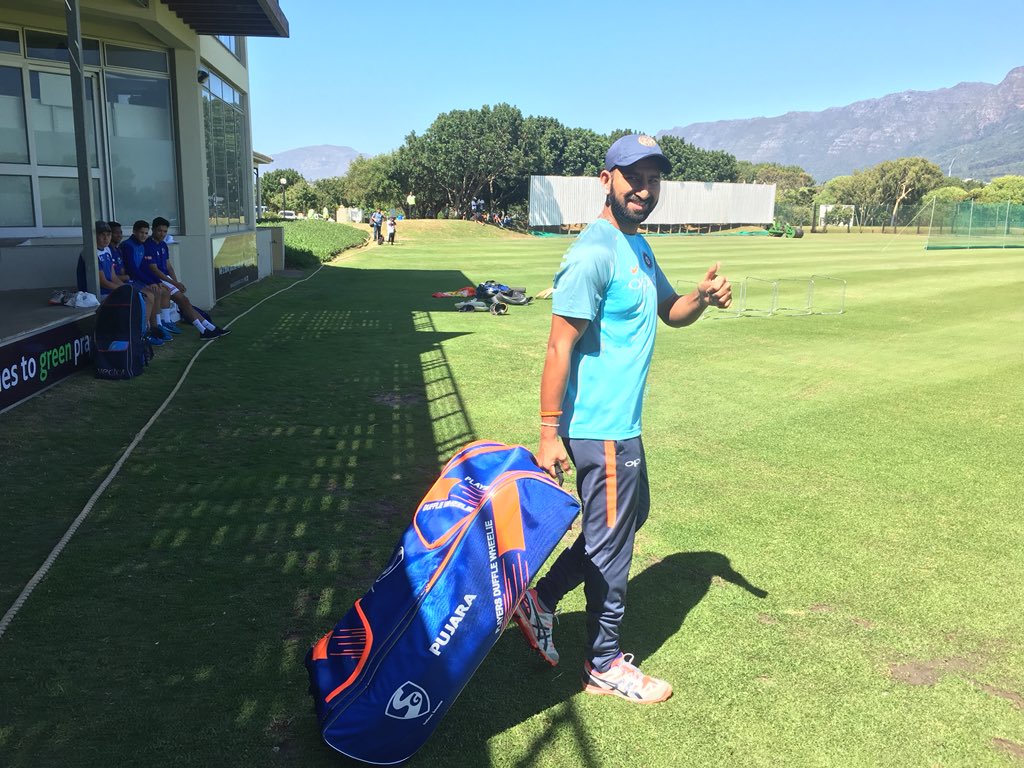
point(864, 470)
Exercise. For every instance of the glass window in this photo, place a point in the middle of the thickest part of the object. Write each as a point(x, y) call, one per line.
point(211, 155)
point(136, 58)
point(16, 202)
point(10, 41)
point(215, 85)
point(142, 157)
point(53, 47)
point(220, 184)
point(227, 165)
point(52, 119)
point(13, 141)
point(230, 42)
point(233, 180)
point(58, 198)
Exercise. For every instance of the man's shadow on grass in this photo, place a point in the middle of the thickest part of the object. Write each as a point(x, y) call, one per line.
point(514, 685)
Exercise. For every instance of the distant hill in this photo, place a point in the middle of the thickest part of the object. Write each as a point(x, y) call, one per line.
point(313, 163)
point(976, 127)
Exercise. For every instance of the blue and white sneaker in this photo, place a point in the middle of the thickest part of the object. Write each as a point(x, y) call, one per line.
point(536, 625)
point(171, 327)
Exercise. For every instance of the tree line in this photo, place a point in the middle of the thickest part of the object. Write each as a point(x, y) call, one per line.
point(491, 152)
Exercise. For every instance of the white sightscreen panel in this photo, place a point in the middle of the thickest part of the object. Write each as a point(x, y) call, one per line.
point(558, 200)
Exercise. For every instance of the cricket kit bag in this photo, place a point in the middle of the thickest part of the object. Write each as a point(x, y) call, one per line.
point(122, 351)
point(492, 291)
point(384, 677)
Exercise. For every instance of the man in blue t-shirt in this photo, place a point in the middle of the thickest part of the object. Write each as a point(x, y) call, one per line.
point(158, 261)
point(110, 279)
point(609, 294)
point(141, 264)
point(133, 254)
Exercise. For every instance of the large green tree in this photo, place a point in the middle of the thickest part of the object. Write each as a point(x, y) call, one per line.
point(906, 180)
point(331, 192)
point(303, 196)
point(861, 189)
point(504, 162)
point(784, 177)
point(945, 195)
point(270, 186)
point(967, 184)
point(477, 153)
point(414, 176)
point(584, 153)
point(690, 163)
point(371, 182)
point(545, 140)
point(1003, 189)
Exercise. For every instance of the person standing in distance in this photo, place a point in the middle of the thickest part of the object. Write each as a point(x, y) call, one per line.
point(609, 294)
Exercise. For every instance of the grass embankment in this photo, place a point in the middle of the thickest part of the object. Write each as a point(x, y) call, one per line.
point(310, 242)
point(861, 469)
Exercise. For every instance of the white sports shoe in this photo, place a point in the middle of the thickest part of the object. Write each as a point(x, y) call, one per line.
point(626, 681)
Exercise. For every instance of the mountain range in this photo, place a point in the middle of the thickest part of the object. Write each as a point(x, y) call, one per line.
point(972, 130)
point(319, 162)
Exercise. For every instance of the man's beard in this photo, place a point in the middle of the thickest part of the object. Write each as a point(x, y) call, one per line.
point(622, 213)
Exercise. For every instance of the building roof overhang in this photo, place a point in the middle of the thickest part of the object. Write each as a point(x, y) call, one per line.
point(248, 18)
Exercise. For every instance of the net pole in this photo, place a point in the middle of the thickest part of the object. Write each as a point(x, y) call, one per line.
point(1006, 225)
point(931, 222)
point(970, 223)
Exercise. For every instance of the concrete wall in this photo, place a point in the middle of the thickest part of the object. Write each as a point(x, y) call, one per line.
point(276, 246)
point(39, 266)
point(264, 252)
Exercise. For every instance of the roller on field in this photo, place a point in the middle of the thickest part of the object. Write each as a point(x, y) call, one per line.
point(779, 229)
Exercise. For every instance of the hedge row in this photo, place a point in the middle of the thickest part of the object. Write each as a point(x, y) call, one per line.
point(309, 242)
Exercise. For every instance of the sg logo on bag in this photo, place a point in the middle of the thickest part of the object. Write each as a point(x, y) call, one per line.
point(408, 702)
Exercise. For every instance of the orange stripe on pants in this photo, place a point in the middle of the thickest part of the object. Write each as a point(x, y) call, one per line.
point(611, 490)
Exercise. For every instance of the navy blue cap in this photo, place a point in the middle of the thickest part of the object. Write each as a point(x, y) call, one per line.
point(632, 148)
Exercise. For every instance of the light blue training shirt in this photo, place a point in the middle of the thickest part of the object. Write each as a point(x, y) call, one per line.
point(612, 280)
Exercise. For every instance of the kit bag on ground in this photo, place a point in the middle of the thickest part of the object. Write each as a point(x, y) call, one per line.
point(493, 291)
point(122, 351)
point(384, 677)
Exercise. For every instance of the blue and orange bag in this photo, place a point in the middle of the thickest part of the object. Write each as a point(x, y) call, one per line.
point(384, 677)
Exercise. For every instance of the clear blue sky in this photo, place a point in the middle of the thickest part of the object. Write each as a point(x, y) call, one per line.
point(364, 75)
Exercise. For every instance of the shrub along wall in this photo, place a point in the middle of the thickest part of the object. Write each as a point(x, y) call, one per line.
point(310, 242)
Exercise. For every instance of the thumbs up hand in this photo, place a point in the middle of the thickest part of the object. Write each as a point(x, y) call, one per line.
point(716, 288)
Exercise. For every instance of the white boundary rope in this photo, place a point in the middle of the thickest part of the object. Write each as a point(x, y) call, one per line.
point(55, 553)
